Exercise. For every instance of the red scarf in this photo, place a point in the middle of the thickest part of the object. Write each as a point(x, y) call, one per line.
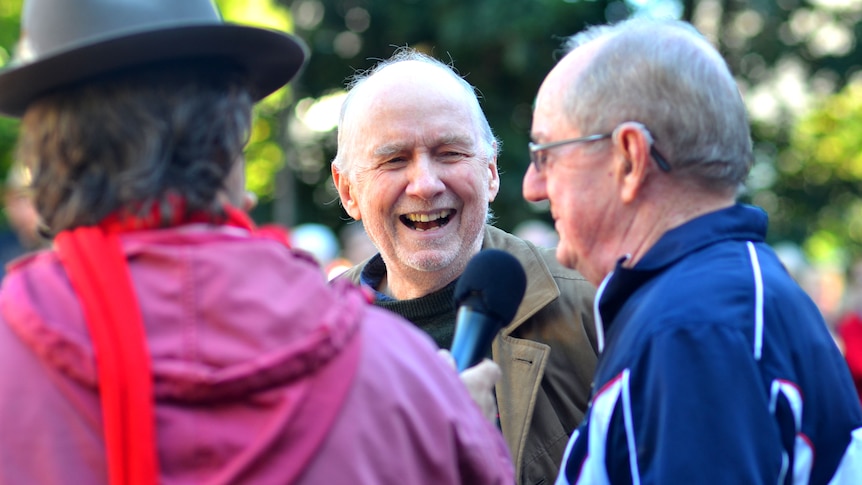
point(98, 271)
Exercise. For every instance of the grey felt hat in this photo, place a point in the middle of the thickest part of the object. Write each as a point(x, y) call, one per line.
point(68, 41)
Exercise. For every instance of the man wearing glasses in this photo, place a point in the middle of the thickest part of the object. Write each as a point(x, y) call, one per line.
point(714, 366)
point(417, 164)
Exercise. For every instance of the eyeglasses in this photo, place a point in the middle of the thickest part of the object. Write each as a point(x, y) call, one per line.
point(539, 157)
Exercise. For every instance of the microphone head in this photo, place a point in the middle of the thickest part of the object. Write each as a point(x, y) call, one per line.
point(493, 284)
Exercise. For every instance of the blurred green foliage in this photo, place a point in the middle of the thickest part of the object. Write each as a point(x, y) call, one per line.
point(793, 53)
point(10, 13)
point(264, 153)
point(821, 175)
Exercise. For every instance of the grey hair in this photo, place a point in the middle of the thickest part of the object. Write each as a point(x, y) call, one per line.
point(131, 141)
point(667, 76)
point(402, 54)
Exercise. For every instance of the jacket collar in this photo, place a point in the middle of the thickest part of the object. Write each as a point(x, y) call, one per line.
point(541, 287)
point(738, 222)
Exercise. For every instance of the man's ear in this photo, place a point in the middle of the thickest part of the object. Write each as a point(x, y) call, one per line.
point(342, 184)
point(634, 163)
point(494, 179)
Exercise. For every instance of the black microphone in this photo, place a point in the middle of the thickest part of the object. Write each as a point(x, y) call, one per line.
point(487, 296)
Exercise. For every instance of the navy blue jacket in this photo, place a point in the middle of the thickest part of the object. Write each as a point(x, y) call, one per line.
point(716, 368)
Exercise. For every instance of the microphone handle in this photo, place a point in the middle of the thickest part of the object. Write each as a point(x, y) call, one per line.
point(474, 332)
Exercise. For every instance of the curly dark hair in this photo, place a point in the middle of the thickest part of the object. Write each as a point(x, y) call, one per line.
point(130, 141)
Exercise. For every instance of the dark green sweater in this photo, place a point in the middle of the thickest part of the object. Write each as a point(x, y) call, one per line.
point(433, 313)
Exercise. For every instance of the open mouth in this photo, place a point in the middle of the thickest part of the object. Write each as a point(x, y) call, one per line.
point(427, 222)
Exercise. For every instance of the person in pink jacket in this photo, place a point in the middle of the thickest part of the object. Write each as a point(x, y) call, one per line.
point(165, 338)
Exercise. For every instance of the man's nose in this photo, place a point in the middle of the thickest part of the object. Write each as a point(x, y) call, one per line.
point(425, 181)
point(533, 186)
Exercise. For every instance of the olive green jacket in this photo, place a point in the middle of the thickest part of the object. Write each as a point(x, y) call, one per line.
point(547, 356)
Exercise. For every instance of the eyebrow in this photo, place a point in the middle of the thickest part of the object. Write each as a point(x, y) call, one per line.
point(389, 149)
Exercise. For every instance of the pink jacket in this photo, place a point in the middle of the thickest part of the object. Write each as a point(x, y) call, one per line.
point(251, 351)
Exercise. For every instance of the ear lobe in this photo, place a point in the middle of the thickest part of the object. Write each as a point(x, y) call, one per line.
point(633, 178)
point(342, 184)
point(635, 163)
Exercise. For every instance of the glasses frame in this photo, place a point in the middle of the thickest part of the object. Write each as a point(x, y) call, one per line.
point(539, 159)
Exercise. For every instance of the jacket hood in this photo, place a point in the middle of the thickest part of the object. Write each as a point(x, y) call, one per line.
point(199, 291)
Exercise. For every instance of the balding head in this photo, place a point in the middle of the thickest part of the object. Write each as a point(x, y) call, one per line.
point(402, 76)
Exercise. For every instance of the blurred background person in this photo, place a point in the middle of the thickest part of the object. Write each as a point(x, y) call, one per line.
point(356, 247)
point(849, 326)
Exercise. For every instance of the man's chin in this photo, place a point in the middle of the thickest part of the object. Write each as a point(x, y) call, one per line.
point(430, 260)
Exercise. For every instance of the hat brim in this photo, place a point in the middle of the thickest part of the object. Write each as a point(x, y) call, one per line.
point(271, 58)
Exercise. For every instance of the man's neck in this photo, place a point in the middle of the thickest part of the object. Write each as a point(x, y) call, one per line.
point(671, 213)
point(416, 284)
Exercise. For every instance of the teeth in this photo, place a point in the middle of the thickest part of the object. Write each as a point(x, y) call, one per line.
point(428, 217)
